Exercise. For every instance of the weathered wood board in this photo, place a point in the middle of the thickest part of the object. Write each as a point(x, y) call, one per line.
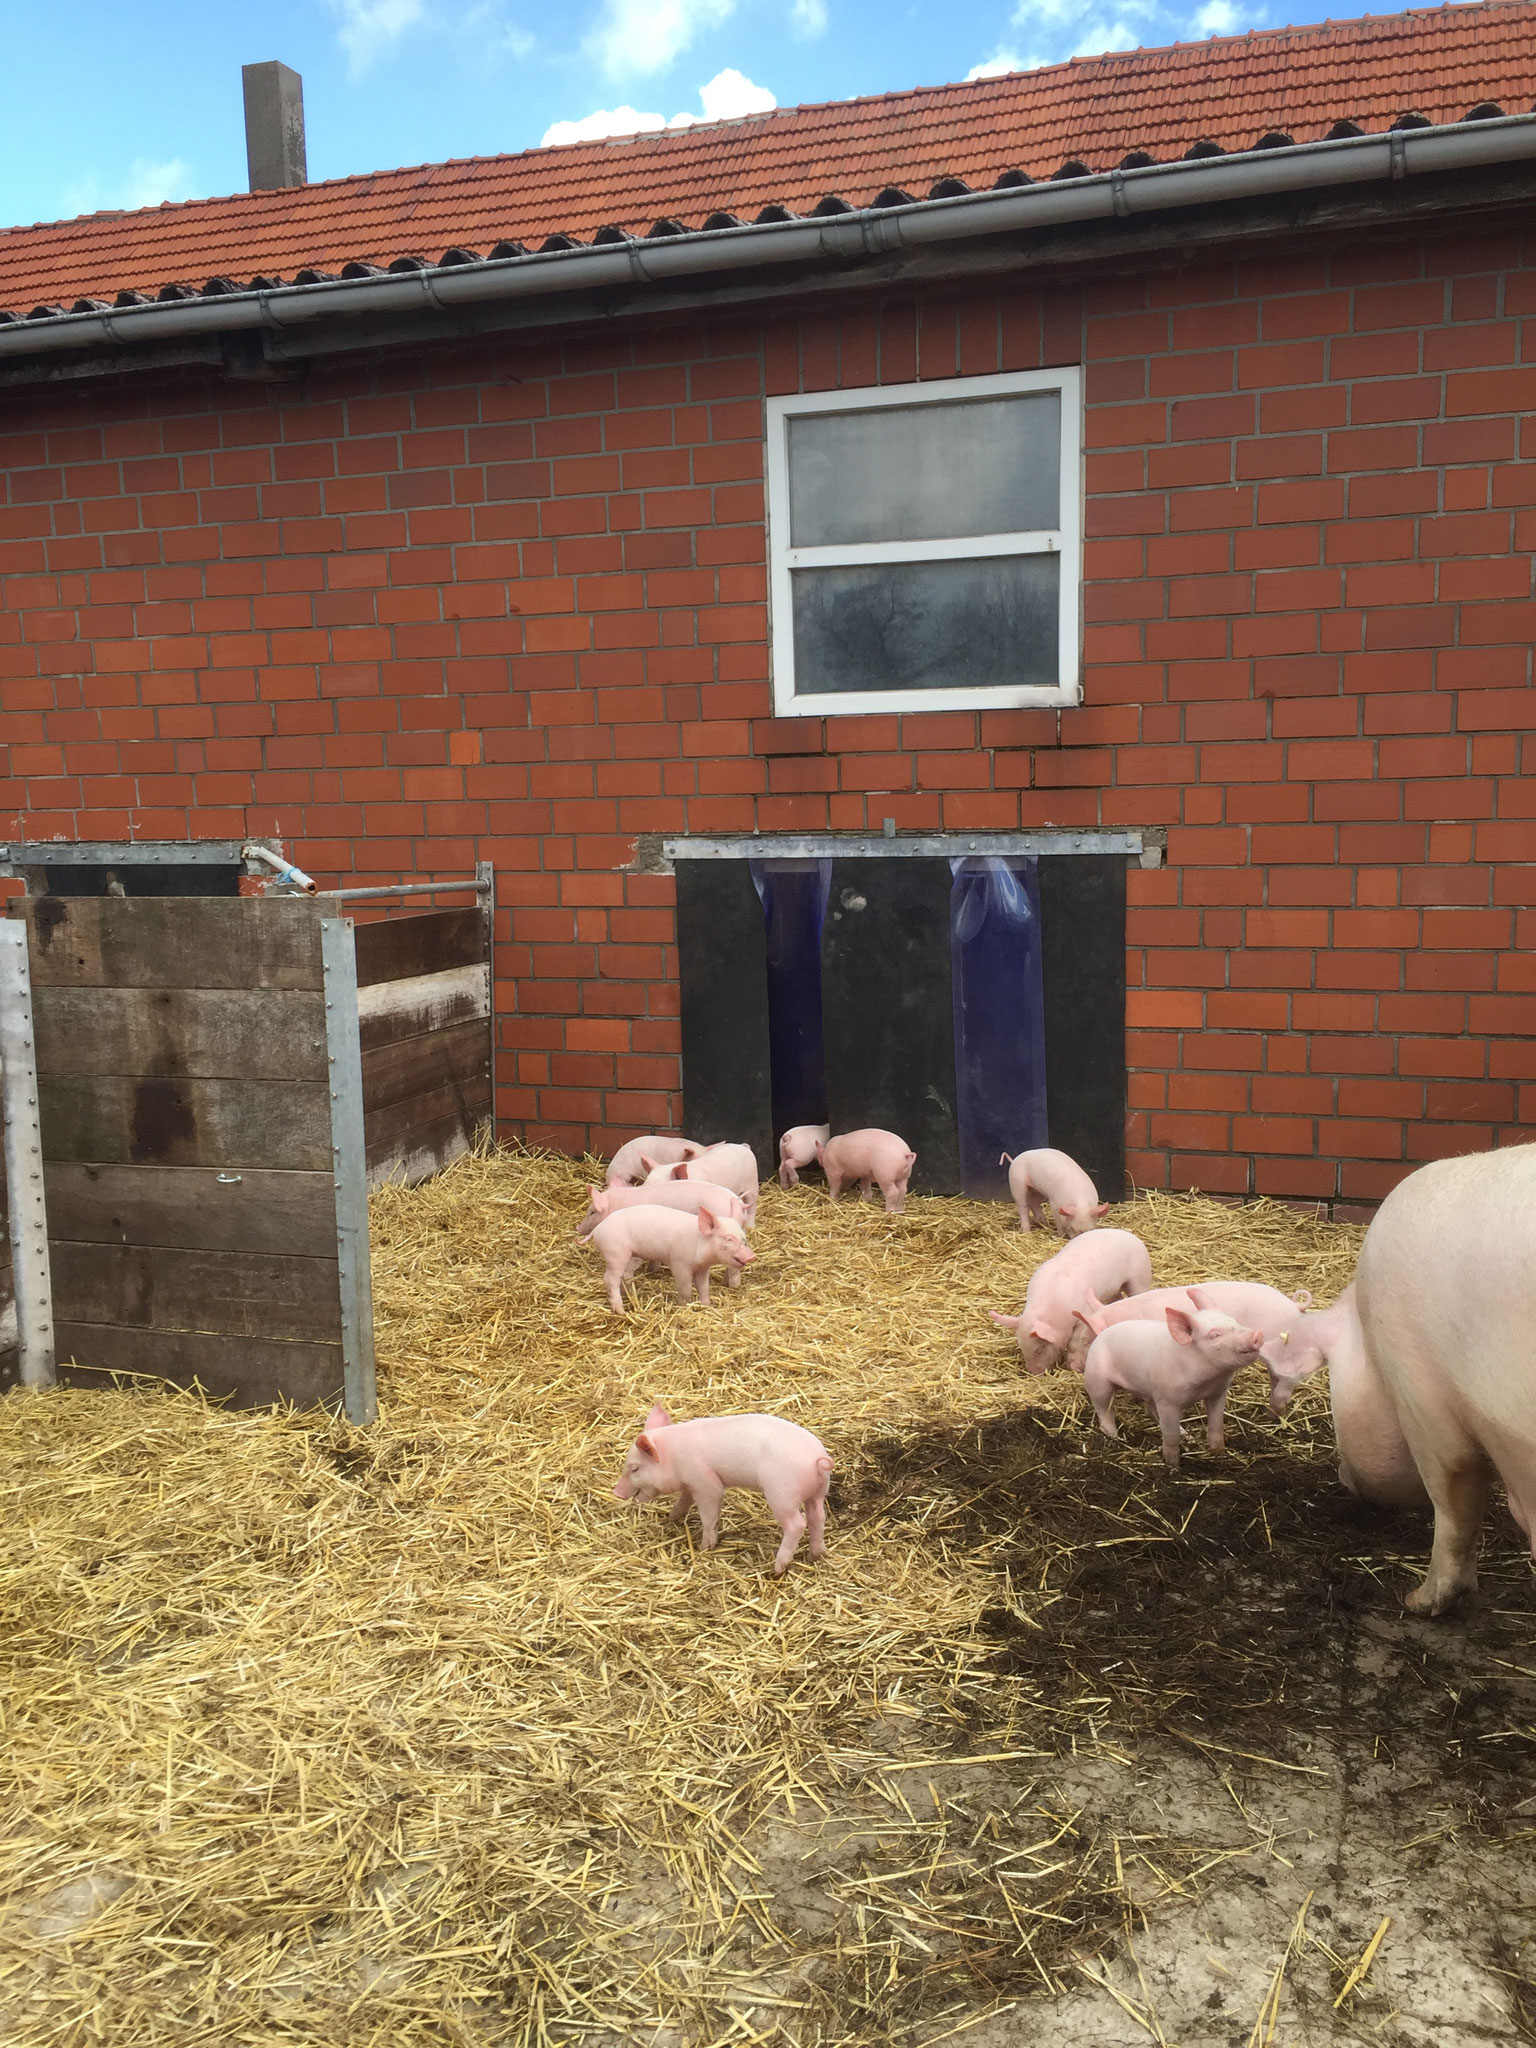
point(195, 1207)
point(399, 948)
point(231, 1294)
point(204, 1034)
point(119, 1119)
point(250, 1372)
point(235, 942)
point(388, 1011)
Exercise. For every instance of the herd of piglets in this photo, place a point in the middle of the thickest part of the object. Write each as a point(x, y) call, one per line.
point(675, 1203)
point(1429, 1404)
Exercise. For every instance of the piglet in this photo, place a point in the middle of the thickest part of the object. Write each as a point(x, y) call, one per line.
point(868, 1157)
point(797, 1148)
point(1051, 1188)
point(698, 1460)
point(1085, 1272)
point(691, 1195)
point(625, 1165)
point(727, 1166)
point(1192, 1358)
point(689, 1244)
point(1250, 1301)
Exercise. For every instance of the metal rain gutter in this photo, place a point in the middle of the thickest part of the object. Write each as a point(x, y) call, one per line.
point(1353, 160)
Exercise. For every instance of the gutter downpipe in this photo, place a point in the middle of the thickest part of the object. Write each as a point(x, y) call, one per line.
point(1301, 167)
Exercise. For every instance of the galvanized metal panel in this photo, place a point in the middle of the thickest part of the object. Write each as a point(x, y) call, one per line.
point(24, 1163)
point(345, 1057)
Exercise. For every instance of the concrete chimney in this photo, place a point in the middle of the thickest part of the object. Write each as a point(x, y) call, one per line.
point(274, 126)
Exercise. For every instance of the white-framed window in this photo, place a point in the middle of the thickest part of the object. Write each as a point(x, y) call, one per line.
point(925, 545)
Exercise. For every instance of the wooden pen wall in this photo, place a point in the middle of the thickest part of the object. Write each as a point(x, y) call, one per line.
point(424, 1017)
point(185, 1103)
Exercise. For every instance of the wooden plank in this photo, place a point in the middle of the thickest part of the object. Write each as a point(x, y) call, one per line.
point(723, 962)
point(392, 1010)
point(235, 1294)
point(10, 1369)
point(394, 948)
point(1082, 932)
point(888, 1009)
point(115, 1120)
point(402, 1127)
point(457, 1057)
point(239, 1034)
point(424, 1149)
point(249, 1372)
point(192, 1207)
point(240, 942)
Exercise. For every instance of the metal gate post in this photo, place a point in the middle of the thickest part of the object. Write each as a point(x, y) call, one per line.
point(24, 1162)
point(343, 1045)
point(485, 894)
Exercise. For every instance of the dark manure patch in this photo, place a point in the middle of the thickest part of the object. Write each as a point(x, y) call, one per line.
point(1248, 1604)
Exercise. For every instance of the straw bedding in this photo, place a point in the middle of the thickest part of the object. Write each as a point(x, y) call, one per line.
point(417, 1735)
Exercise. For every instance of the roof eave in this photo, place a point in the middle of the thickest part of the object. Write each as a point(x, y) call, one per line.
point(839, 239)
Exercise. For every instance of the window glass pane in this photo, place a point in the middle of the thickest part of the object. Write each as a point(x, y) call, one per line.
point(928, 625)
point(926, 472)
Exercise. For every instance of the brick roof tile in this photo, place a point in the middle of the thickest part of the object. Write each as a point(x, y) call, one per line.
point(1438, 64)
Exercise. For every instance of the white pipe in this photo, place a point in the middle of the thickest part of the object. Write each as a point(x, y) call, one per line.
point(285, 870)
point(1357, 159)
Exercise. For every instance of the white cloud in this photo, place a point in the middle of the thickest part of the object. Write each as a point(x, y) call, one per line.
point(145, 183)
point(809, 18)
point(995, 66)
point(1216, 18)
point(606, 121)
point(517, 42)
point(371, 28)
point(726, 97)
point(647, 35)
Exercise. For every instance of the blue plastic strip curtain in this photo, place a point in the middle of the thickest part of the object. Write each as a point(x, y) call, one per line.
point(999, 1016)
point(794, 896)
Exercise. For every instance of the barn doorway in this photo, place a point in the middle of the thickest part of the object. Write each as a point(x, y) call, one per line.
point(970, 997)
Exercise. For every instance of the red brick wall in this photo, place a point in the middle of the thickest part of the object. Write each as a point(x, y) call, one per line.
point(510, 603)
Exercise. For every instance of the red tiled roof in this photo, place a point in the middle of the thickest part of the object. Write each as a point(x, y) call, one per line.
point(1437, 64)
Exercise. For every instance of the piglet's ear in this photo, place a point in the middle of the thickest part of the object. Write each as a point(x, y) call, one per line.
point(708, 1219)
point(1102, 1209)
point(1066, 1208)
point(648, 1164)
point(680, 1171)
point(658, 1418)
point(644, 1446)
point(1180, 1325)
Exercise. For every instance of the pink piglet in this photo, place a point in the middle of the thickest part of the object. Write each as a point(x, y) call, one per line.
point(699, 1460)
point(688, 1243)
point(1192, 1356)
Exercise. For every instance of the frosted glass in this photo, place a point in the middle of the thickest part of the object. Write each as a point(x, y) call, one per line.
point(926, 472)
point(960, 625)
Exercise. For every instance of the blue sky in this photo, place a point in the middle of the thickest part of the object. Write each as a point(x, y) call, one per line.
point(105, 104)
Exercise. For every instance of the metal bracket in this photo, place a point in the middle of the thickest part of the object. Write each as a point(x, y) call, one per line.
point(24, 1162)
point(344, 1054)
point(1135, 842)
point(485, 888)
